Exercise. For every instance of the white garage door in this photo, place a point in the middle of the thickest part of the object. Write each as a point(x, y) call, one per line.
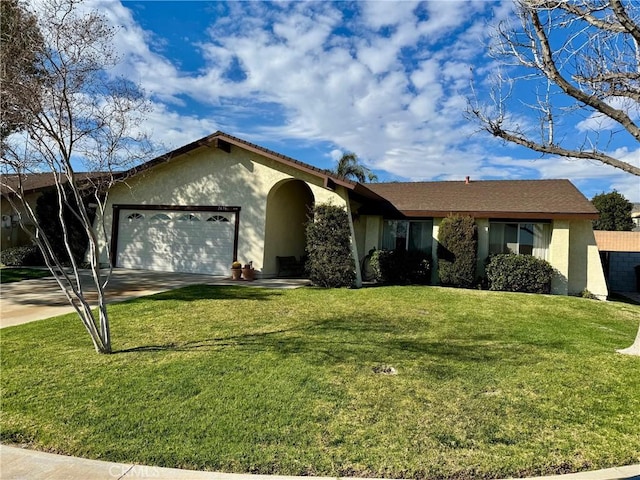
point(176, 241)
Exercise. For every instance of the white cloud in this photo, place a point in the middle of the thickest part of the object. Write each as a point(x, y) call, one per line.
point(385, 13)
point(336, 154)
point(445, 16)
point(384, 93)
point(172, 130)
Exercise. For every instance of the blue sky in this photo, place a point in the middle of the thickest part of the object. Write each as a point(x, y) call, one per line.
point(386, 80)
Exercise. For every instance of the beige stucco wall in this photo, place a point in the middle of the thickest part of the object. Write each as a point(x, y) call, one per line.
point(368, 236)
point(572, 252)
point(287, 211)
point(368, 233)
point(585, 266)
point(211, 177)
point(373, 233)
point(559, 256)
point(360, 231)
point(435, 278)
point(483, 245)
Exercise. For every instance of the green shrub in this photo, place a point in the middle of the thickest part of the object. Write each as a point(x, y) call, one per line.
point(28, 256)
point(398, 267)
point(588, 295)
point(510, 272)
point(457, 251)
point(329, 259)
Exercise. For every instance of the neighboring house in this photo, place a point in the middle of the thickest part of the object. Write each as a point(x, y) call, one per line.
point(33, 185)
point(635, 216)
point(199, 207)
point(620, 253)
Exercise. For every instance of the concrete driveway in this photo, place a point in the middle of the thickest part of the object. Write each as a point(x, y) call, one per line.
point(37, 299)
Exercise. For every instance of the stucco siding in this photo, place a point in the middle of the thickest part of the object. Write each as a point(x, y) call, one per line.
point(559, 256)
point(435, 278)
point(572, 252)
point(483, 245)
point(585, 267)
point(373, 235)
point(360, 230)
point(288, 206)
point(211, 177)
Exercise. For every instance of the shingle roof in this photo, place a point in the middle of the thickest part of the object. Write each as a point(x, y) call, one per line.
point(488, 198)
point(33, 182)
point(214, 140)
point(550, 199)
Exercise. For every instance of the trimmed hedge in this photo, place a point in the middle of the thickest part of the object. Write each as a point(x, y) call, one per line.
point(329, 260)
point(399, 267)
point(510, 272)
point(27, 256)
point(457, 251)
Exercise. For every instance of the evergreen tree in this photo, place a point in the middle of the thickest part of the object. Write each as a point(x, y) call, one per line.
point(615, 212)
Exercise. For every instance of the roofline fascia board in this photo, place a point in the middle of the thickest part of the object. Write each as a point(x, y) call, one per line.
point(503, 215)
point(166, 157)
point(216, 140)
point(291, 162)
point(5, 192)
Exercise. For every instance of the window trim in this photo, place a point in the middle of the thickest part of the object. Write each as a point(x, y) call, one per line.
point(135, 217)
point(408, 230)
point(520, 223)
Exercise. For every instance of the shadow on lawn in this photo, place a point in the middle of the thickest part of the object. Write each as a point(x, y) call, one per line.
point(214, 292)
point(340, 340)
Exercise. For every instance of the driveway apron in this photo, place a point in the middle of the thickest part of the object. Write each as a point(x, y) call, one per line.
point(37, 299)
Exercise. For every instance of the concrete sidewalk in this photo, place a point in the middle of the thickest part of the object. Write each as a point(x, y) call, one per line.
point(18, 464)
point(41, 298)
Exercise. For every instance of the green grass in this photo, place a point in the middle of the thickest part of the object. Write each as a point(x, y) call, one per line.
point(11, 274)
point(251, 380)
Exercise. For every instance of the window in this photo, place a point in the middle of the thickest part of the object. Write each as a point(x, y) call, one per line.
point(160, 217)
point(523, 238)
point(189, 217)
point(217, 218)
point(135, 217)
point(408, 235)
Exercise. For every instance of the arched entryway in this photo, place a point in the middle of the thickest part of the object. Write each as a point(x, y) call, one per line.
point(288, 205)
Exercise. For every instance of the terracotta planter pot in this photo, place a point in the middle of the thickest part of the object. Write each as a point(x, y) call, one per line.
point(249, 274)
point(236, 273)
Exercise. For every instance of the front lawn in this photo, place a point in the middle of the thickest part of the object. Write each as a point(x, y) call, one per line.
point(252, 380)
point(17, 274)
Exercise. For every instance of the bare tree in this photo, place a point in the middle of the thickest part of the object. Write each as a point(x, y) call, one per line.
point(21, 44)
point(580, 59)
point(77, 116)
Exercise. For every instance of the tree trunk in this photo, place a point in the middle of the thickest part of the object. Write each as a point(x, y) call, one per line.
point(633, 349)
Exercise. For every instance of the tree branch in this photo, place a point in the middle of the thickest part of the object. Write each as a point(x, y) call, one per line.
point(550, 71)
point(625, 20)
point(496, 130)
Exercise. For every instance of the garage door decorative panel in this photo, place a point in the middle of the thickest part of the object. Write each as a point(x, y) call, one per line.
point(176, 241)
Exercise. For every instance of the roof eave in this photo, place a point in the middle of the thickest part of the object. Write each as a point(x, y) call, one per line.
point(222, 140)
point(502, 215)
